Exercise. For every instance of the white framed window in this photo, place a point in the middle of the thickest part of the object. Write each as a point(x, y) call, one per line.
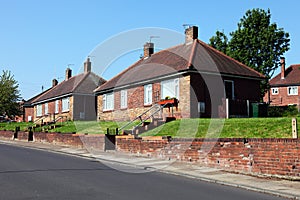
point(46, 109)
point(65, 104)
point(170, 88)
point(39, 110)
point(108, 101)
point(275, 91)
point(292, 90)
point(56, 106)
point(148, 94)
point(123, 98)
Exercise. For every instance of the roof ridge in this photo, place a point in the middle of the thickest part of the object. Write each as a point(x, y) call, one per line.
point(192, 55)
point(232, 59)
point(80, 81)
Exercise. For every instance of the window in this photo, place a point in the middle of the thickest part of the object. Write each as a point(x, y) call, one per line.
point(46, 108)
point(170, 88)
point(293, 90)
point(39, 110)
point(275, 91)
point(229, 89)
point(123, 98)
point(65, 104)
point(148, 94)
point(108, 101)
point(56, 106)
point(201, 107)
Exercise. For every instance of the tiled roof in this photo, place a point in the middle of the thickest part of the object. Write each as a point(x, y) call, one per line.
point(28, 103)
point(197, 55)
point(292, 77)
point(83, 83)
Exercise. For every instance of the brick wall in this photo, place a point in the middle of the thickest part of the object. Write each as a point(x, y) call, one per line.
point(268, 157)
point(90, 142)
point(135, 102)
point(47, 117)
point(29, 111)
point(282, 98)
point(272, 157)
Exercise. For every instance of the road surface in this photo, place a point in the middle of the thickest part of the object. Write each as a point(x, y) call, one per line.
point(34, 174)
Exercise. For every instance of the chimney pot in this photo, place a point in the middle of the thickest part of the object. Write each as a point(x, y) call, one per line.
point(191, 33)
point(87, 65)
point(148, 49)
point(68, 73)
point(282, 62)
point(54, 82)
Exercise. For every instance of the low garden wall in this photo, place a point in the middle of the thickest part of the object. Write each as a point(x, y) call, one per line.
point(268, 157)
point(265, 157)
point(91, 142)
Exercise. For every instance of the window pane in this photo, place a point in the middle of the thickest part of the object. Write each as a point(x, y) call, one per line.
point(170, 88)
point(108, 101)
point(46, 108)
point(56, 106)
point(148, 94)
point(65, 104)
point(39, 110)
point(124, 99)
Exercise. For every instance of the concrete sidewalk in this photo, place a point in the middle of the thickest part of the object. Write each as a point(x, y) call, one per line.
point(282, 188)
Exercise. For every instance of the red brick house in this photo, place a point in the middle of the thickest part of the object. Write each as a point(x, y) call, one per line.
point(196, 74)
point(72, 99)
point(284, 87)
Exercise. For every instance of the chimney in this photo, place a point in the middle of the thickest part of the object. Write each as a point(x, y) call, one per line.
point(191, 33)
point(87, 65)
point(148, 49)
point(54, 82)
point(282, 62)
point(68, 73)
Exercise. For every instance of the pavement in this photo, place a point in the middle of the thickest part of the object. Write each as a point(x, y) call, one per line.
point(277, 187)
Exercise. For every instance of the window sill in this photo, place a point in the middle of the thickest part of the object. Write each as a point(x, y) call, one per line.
point(107, 111)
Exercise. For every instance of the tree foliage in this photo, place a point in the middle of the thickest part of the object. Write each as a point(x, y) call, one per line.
point(219, 41)
point(257, 43)
point(9, 95)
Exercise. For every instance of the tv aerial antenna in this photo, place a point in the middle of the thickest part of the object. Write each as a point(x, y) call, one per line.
point(152, 37)
point(185, 26)
point(70, 65)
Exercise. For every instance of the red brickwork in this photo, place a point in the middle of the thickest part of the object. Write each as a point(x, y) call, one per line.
point(29, 111)
point(274, 157)
point(90, 142)
point(282, 98)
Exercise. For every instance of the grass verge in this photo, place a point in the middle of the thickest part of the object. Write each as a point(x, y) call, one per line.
point(186, 128)
point(229, 128)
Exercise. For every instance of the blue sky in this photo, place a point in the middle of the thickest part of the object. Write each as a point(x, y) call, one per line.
point(40, 38)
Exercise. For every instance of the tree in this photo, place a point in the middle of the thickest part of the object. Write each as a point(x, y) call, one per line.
point(9, 95)
point(220, 42)
point(257, 43)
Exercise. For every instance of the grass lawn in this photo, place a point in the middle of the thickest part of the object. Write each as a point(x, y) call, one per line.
point(187, 128)
point(228, 128)
point(91, 127)
point(11, 125)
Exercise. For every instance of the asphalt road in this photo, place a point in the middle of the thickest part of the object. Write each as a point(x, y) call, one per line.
point(34, 174)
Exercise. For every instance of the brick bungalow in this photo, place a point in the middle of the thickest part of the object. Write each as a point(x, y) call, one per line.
point(196, 74)
point(284, 86)
point(72, 99)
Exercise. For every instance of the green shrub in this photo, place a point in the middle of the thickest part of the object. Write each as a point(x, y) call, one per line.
point(283, 111)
